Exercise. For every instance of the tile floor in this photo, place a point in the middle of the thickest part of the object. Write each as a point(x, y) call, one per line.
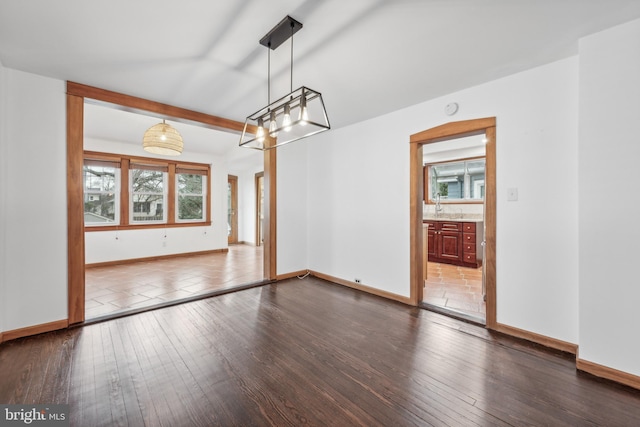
point(119, 288)
point(454, 288)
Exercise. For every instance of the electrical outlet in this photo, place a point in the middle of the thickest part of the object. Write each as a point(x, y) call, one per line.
point(357, 280)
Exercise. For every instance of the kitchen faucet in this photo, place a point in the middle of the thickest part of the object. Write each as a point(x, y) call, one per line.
point(438, 205)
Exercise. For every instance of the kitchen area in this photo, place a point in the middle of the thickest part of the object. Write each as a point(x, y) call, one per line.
point(453, 227)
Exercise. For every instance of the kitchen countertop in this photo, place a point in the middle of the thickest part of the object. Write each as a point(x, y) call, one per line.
point(451, 218)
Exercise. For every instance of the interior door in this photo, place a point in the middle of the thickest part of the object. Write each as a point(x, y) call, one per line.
point(232, 209)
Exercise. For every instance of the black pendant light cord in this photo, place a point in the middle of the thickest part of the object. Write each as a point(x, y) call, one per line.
point(291, 72)
point(282, 106)
point(269, 68)
point(269, 74)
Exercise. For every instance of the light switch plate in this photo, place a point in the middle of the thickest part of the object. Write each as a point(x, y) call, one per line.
point(512, 194)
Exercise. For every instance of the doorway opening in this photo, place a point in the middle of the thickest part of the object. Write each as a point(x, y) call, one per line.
point(453, 221)
point(446, 235)
point(232, 209)
point(77, 94)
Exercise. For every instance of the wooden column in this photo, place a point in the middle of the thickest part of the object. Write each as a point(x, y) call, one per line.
point(490, 228)
point(75, 209)
point(415, 225)
point(269, 231)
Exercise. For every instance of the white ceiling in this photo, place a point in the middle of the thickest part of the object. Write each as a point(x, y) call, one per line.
point(103, 122)
point(367, 57)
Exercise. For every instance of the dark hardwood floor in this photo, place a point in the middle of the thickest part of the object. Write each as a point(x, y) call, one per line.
point(304, 352)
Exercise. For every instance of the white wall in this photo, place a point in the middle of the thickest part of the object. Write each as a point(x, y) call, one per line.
point(609, 157)
point(34, 200)
point(104, 246)
point(359, 204)
point(359, 195)
point(4, 146)
point(247, 206)
point(537, 261)
point(292, 207)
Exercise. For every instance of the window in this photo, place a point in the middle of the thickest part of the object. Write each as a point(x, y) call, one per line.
point(148, 193)
point(461, 181)
point(141, 207)
point(122, 191)
point(101, 188)
point(191, 204)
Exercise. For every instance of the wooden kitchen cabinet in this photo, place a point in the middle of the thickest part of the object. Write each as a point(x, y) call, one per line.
point(471, 244)
point(455, 242)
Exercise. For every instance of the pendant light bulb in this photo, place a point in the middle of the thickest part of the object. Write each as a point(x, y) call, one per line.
point(163, 137)
point(286, 121)
point(304, 112)
point(260, 132)
point(273, 125)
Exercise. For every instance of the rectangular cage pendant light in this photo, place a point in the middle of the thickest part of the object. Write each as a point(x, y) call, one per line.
point(294, 116)
point(298, 114)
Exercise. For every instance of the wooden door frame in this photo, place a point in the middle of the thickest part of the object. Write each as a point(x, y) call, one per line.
point(258, 176)
point(76, 96)
point(232, 180)
point(442, 133)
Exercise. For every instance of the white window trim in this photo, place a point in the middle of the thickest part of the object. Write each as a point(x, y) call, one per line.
point(204, 200)
point(116, 220)
point(132, 194)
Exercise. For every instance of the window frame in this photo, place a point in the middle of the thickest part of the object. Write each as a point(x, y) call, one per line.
point(125, 197)
point(116, 201)
point(202, 194)
point(427, 182)
point(132, 194)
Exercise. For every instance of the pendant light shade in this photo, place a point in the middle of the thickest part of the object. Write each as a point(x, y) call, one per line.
point(162, 139)
point(296, 115)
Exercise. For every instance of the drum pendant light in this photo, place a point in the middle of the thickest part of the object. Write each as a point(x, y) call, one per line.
point(162, 139)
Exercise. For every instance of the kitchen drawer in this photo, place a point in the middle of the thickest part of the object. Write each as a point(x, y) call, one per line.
point(469, 227)
point(468, 248)
point(470, 258)
point(450, 226)
point(468, 238)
